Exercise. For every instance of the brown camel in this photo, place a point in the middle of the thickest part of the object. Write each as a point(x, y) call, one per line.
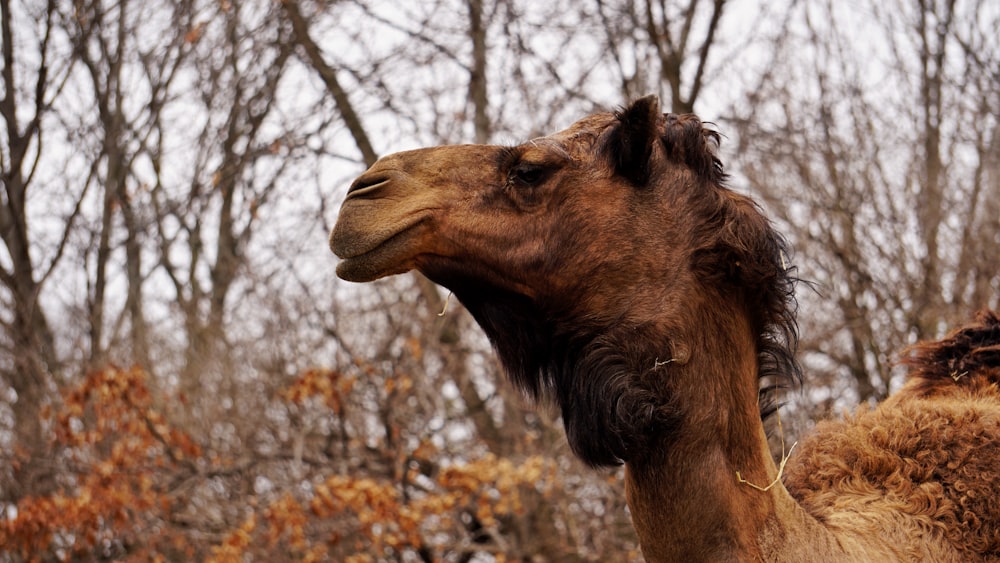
point(615, 273)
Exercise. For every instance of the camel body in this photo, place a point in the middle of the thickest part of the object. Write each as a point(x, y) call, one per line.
point(616, 275)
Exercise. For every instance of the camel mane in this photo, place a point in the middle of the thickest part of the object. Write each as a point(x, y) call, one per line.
point(754, 258)
point(751, 256)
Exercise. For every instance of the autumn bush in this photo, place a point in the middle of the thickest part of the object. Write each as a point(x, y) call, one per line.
point(113, 499)
point(120, 493)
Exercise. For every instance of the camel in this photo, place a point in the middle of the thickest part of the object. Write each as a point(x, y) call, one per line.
point(616, 274)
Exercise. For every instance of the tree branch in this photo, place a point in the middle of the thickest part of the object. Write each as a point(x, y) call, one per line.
point(329, 77)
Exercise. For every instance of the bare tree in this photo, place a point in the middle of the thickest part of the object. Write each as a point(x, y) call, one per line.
point(870, 179)
point(170, 171)
point(30, 89)
point(656, 44)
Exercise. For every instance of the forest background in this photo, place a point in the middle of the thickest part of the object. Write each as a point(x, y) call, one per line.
point(183, 377)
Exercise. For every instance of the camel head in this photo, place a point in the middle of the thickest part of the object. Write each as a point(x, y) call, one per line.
point(585, 255)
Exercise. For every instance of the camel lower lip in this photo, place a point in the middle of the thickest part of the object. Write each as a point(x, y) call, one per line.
point(355, 271)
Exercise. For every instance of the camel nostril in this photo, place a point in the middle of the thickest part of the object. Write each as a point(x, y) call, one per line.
point(366, 186)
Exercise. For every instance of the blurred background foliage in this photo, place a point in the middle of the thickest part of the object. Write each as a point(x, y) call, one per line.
point(181, 375)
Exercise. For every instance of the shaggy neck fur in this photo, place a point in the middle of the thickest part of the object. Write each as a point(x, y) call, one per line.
point(683, 426)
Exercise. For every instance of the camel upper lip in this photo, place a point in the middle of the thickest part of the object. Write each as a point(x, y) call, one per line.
point(349, 248)
point(347, 243)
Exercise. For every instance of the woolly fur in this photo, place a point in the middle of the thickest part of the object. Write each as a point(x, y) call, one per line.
point(918, 473)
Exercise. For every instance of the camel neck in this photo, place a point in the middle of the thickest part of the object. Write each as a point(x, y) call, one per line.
point(689, 506)
point(686, 501)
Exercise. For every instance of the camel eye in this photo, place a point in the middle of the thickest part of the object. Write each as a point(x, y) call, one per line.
point(528, 175)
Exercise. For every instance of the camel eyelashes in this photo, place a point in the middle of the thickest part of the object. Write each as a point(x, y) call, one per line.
point(528, 174)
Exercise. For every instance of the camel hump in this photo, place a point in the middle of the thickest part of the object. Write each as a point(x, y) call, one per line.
point(970, 352)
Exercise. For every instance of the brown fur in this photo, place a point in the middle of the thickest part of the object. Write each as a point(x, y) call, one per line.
point(616, 274)
point(925, 462)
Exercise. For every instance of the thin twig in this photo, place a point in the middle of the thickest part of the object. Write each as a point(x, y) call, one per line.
point(777, 478)
point(446, 301)
point(657, 363)
point(781, 467)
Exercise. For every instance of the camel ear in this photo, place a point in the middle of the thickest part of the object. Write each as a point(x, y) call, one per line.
point(631, 142)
